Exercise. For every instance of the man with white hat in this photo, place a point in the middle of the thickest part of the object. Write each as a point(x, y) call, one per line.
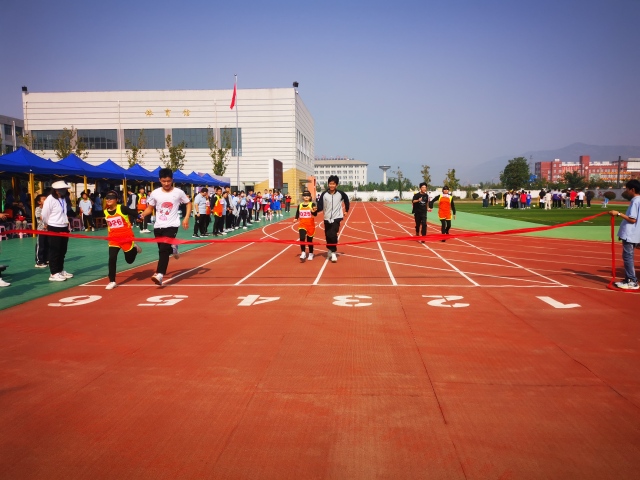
point(54, 217)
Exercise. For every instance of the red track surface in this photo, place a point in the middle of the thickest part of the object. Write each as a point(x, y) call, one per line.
point(489, 357)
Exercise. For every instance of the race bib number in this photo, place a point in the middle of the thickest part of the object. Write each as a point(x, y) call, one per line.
point(305, 214)
point(115, 222)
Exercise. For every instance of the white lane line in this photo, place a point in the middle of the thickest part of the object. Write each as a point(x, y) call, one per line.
point(326, 260)
point(239, 282)
point(351, 285)
point(453, 267)
point(515, 264)
point(384, 257)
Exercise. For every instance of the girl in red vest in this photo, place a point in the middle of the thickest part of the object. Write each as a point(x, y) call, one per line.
point(446, 208)
point(120, 234)
point(307, 225)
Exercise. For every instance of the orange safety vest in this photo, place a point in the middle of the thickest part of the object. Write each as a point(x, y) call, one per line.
point(142, 202)
point(119, 228)
point(305, 217)
point(217, 208)
point(444, 207)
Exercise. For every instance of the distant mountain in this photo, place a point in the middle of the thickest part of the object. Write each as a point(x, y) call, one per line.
point(491, 169)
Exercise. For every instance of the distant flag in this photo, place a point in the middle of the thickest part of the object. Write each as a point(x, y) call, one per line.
point(233, 99)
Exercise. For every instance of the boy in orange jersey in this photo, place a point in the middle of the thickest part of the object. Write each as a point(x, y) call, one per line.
point(446, 208)
point(307, 226)
point(119, 227)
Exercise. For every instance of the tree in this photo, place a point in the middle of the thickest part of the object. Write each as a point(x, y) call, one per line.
point(218, 153)
point(516, 174)
point(426, 176)
point(451, 181)
point(175, 158)
point(403, 183)
point(134, 151)
point(574, 180)
point(68, 143)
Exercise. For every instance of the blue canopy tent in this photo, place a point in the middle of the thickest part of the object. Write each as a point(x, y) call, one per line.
point(23, 162)
point(199, 179)
point(214, 182)
point(225, 181)
point(178, 176)
point(88, 170)
point(137, 170)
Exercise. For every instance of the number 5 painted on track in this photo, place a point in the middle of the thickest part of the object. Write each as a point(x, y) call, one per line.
point(441, 301)
point(163, 301)
point(75, 301)
point(350, 301)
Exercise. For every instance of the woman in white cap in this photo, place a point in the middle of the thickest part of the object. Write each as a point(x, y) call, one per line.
point(54, 216)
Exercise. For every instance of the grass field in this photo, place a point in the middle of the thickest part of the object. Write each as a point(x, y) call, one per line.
point(540, 216)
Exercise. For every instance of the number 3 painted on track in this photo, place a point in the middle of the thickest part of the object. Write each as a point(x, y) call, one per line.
point(350, 301)
point(75, 301)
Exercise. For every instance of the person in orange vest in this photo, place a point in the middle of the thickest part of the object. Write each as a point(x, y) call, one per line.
point(120, 235)
point(446, 208)
point(141, 207)
point(307, 224)
point(217, 204)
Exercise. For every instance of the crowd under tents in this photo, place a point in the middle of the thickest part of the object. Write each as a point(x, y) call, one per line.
point(27, 165)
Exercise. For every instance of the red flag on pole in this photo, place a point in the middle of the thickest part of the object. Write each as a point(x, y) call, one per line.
point(233, 99)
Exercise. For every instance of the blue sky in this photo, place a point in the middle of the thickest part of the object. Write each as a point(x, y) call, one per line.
point(450, 83)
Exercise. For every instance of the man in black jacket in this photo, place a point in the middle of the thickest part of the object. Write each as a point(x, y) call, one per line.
point(420, 206)
point(335, 205)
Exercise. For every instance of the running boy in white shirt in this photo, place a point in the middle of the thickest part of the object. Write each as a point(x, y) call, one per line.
point(166, 200)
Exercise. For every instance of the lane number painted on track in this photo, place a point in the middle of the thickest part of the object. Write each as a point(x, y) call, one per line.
point(557, 304)
point(163, 301)
point(441, 301)
point(250, 300)
point(75, 301)
point(351, 301)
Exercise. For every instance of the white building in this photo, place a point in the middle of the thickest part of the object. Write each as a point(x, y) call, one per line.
point(10, 133)
point(273, 124)
point(348, 170)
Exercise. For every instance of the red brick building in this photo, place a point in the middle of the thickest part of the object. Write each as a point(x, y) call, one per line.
point(554, 171)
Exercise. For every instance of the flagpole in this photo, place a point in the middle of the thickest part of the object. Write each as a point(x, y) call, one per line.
point(237, 137)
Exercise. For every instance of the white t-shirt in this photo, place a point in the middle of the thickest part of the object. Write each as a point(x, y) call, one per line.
point(167, 206)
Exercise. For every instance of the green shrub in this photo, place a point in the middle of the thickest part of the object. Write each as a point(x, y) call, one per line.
point(373, 199)
point(499, 195)
point(609, 194)
point(474, 196)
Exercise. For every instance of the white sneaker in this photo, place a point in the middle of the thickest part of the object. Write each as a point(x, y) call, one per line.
point(176, 254)
point(57, 277)
point(3, 283)
point(145, 231)
point(303, 256)
point(334, 257)
point(139, 248)
point(157, 278)
point(111, 286)
point(629, 285)
point(224, 232)
point(41, 265)
point(66, 274)
point(310, 257)
point(244, 228)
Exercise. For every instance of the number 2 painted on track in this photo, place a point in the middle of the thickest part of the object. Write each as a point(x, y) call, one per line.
point(75, 301)
point(441, 301)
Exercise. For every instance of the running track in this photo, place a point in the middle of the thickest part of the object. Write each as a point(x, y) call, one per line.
point(485, 357)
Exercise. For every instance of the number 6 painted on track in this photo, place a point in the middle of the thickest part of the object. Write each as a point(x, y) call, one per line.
point(75, 301)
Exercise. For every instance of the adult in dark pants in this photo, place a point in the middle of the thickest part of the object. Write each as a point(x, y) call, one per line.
point(335, 205)
point(54, 217)
point(167, 200)
point(200, 204)
point(420, 206)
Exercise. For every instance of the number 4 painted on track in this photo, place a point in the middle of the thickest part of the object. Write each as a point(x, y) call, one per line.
point(250, 300)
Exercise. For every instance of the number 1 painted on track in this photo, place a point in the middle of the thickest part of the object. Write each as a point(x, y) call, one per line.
point(557, 304)
point(250, 300)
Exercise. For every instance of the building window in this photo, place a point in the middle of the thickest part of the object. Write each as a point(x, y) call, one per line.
point(18, 131)
point(8, 131)
point(228, 140)
point(153, 137)
point(100, 139)
point(45, 139)
point(8, 148)
point(192, 137)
